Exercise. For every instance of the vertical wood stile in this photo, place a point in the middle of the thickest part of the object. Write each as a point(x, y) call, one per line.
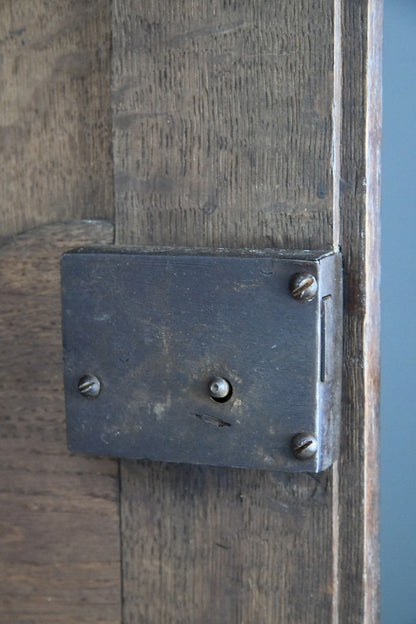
point(254, 125)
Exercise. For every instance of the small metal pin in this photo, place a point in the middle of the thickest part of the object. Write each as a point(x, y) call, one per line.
point(304, 445)
point(303, 286)
point(219, 388)
point(89, 386)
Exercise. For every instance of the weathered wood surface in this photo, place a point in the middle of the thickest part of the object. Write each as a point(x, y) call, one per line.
point(59, 522)
point(55, 128)
point(223, 137)
point(358, 577)
point(222, 122)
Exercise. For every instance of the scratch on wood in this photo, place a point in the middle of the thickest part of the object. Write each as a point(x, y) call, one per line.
point(208, 30)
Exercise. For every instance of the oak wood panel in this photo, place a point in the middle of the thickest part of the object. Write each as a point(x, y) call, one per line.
point(55, 128)
point(360, 239)
point(199, 545)
point(223, 136)
point(222, 115)
point(59, 521)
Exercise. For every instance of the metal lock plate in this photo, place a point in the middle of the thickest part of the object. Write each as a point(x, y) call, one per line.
point(152, 335)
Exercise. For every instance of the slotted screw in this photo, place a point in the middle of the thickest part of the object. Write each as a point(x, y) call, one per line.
point(304, 445)
point(303, 286)
point(89, 386)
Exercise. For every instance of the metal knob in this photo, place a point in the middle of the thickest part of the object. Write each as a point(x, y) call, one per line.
point(219, 388)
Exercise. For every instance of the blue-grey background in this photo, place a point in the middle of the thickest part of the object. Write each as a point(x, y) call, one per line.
point(398, 333)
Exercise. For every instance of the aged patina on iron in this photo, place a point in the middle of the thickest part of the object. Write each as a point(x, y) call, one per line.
point(229, 358)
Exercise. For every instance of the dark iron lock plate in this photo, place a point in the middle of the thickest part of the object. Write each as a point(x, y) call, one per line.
point(225, 358)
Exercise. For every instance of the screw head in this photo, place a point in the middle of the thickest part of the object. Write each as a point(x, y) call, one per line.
point(89, 386)
point(219, 388)
point(303, 286)
point(304, 445)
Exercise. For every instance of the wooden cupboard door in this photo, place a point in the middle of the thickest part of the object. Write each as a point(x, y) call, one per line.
point(220, 123)
point(254, 124)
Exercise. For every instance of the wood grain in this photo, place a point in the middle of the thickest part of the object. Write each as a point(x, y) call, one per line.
point(223, 136)
point(59, 522)
point(55, 129)
point(222, 115)
point(229, 129)
point(360, 236)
